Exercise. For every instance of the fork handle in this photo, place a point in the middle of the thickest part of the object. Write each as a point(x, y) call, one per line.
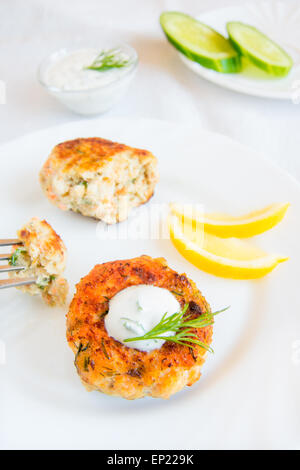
point(7, 267)
point(5, 283)
point(9, 241)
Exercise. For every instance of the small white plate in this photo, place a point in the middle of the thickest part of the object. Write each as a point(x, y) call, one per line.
point(280, 21)
point(249, 393)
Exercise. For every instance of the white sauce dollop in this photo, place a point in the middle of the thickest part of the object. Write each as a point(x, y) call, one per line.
point(69, 72)
point(136, 310)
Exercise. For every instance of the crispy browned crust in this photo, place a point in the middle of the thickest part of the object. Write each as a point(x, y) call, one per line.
point(107, 365)
point(50, 244)
point(130, 173)
point(88, 154)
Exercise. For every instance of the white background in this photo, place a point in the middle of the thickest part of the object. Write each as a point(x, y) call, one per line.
point(163, 87)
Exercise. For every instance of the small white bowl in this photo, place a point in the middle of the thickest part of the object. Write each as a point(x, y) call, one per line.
point(95, 100)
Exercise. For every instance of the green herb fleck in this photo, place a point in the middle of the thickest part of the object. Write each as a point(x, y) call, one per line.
point(103, 314)
point(176, 293)
point(109, 372)
point(104, 349)
point(84, 183)
point(193, 355)
point(80, 349)
point(45, 281)
point(132, 325)
point(14, 257)
point(86, 363)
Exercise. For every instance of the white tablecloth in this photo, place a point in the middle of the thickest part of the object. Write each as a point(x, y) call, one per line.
point(163, 87)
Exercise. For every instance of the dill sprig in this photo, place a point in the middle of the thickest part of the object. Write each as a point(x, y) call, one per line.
point(183, 327)
point(109, 59)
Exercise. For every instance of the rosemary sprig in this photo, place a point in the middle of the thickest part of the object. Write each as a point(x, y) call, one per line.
point(109, 59)
point(183, 327)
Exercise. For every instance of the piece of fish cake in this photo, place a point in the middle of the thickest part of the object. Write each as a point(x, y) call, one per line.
point(99, 178)
point(44, 255)
point(107, 365)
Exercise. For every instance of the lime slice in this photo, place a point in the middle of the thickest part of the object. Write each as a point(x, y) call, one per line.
point(199, 42)
point(260, 49)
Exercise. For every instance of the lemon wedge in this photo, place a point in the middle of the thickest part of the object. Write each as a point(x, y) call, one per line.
point(227, 226)
point(231, 257)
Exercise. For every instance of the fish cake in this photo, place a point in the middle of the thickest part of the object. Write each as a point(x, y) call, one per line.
point(109, 366)
point(99, 178)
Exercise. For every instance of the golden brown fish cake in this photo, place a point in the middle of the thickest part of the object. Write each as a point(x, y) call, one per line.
point(99, 178)
point(109, 366)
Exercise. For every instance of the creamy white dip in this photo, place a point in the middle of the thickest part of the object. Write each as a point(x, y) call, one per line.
point(69, 71)
point(136, 310)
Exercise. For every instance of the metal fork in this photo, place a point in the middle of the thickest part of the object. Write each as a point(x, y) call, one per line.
point(5, 283)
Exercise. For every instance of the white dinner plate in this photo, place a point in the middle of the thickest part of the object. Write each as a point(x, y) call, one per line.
point(279, 20)
point(248, 395)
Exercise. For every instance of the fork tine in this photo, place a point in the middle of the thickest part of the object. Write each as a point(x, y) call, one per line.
point(5, 283)
point(5, 256)
point(9, 241)
point(7, 267)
